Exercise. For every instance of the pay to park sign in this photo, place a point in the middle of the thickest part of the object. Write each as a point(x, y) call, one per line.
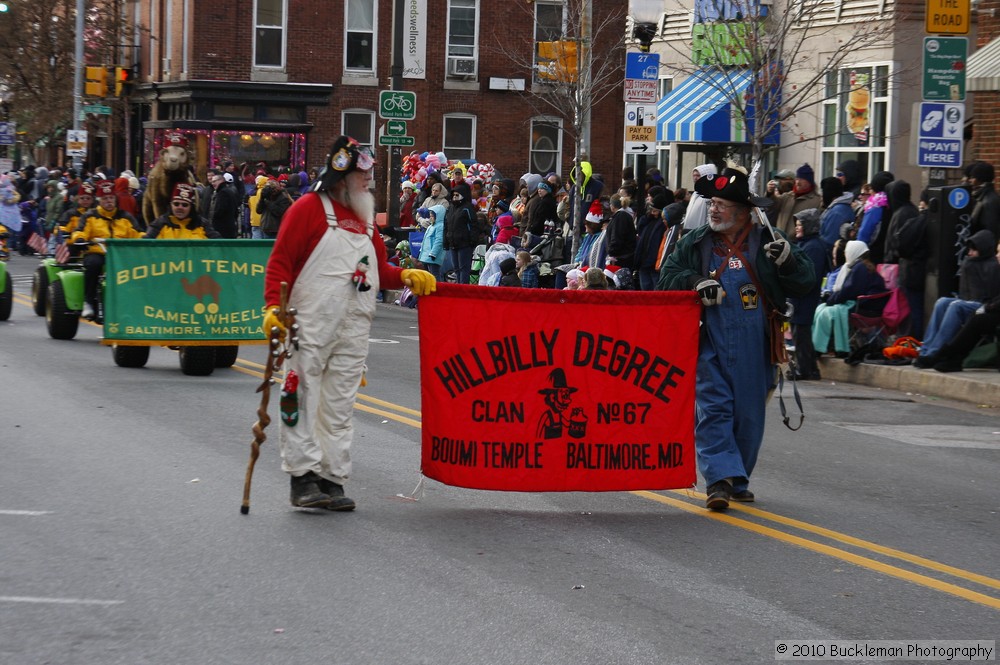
point(556, 390)
point(185, 290)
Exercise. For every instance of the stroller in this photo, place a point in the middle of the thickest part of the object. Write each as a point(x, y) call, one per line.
point(478, 263)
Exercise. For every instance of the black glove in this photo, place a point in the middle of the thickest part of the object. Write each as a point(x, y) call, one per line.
point(778, 251)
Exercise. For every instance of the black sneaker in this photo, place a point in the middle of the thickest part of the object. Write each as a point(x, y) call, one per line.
point(335, 491)
point(924, 362)
point(743, 496)
point(719, 493)
point(306, 492)
point(948, 365)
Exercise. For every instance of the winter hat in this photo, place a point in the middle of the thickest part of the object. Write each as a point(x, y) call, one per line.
point(133, 182)
point(659, 202)
point(855, 250)
point(982, 171)
point(184, 193)
point(880, 180)
point(706, 169)
point(260, 181)
point(507, 266)
point(809, 219)
point(784, 174)
point(596, 213)
point(832, 189)
point(346, 155)
point(674, 213)
point(805, 172)
point(731, 185)
point(595, 278)
point(544, 185)
point(505, 221)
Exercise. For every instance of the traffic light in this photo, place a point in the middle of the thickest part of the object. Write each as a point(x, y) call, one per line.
point(123, 81)
point(97, 82)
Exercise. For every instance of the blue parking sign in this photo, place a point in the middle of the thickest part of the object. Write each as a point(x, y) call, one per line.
point(940, 131)
point(8, 133)
point(642, 66)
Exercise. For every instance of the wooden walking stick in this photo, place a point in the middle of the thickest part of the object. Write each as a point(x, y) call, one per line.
point(277, 352)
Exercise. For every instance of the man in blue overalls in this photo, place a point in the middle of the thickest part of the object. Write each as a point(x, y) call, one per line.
point(742, 273)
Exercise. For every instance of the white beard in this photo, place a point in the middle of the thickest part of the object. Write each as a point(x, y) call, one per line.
point(721, 227)
point(361, 202)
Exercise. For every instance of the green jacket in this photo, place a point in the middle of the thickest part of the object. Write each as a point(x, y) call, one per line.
point(683, 268)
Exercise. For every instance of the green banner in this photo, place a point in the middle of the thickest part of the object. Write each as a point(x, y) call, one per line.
point(185, 290)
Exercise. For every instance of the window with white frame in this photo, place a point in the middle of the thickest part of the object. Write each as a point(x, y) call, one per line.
point(359, 37)
point(359, 124)
point(460, 136)
point(269, 33)
point(856, 118)
point(549, 27)
point(546, 145)
point(463, 38)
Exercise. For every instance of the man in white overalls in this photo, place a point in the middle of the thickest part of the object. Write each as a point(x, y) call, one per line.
point(334, 260)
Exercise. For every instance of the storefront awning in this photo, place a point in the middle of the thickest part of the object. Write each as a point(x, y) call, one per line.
point(698, 110)
point(982, 71)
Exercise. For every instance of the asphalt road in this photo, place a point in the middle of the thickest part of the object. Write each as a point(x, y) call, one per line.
point(122, 540)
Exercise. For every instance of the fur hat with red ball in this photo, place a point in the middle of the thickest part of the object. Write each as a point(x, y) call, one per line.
point(596, 213)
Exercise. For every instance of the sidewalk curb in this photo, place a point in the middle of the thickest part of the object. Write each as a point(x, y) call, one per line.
point(966, 386)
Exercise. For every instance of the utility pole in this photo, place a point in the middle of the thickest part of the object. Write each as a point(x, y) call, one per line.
point(394, 167)
point(81, 8)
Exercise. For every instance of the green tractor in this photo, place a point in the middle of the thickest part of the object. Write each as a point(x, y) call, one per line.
point(44, 275)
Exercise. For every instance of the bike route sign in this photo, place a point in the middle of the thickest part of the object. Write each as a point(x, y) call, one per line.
point(397, 105)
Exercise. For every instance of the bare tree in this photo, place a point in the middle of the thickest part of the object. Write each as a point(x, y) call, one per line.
point(778, 47)
point(574, 64)
point(36, 58)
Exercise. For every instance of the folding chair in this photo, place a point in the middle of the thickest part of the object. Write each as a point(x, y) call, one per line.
point(875, 319)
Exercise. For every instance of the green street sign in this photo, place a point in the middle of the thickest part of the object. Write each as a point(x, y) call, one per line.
point(944, 68)
point(395, 128)
point(397, 105)
point(96, 109)
point(396, 140)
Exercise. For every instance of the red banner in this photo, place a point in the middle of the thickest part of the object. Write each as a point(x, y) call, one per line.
point(538, 390)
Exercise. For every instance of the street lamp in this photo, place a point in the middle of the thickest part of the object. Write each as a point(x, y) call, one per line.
point(645, 15)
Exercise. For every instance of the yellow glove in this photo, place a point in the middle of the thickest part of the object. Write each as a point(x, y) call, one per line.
point(272, 320)
point(420, 282)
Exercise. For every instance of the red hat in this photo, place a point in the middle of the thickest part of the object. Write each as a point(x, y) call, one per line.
point(596, 212)
point(175, 139)
point(183, 192)
point(105, 188)
point(283, 177)
point(86, 189)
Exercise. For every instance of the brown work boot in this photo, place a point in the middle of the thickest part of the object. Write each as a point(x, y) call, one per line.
point(306, 492)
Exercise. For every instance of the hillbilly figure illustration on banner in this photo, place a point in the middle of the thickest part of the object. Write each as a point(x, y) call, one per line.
point(588, 396)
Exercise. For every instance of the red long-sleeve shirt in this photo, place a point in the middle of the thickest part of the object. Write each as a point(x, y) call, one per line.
point(301, 229)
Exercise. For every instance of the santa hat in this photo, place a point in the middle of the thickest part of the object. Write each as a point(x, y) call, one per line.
point(596, 213)
point(184, 193)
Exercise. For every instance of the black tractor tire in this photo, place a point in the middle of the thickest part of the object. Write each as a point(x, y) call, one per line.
point(130, 356)
point(6, 298)
point(225, 356)
point(197, 360)
point(61, 321)
point(39, 290)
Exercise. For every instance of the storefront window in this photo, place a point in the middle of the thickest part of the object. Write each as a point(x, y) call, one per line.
point(212, 147)
point(856, 118)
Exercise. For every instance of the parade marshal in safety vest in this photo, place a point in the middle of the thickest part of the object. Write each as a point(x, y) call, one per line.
point(333, 258)
point(743, 274)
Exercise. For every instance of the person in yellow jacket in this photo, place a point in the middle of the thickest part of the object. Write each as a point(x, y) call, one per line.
point(103, 222)
point(255, 231)
point(70, 218)
point(182, 222)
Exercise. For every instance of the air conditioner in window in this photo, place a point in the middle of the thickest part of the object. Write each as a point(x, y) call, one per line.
point(462, 66)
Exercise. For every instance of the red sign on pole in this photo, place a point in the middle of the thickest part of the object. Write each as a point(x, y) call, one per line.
point(544, 390)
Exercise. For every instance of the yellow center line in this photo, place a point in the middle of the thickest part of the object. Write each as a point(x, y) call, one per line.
point(820, 548)
point(834, 552)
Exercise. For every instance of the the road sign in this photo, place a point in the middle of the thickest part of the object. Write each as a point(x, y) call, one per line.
point(958, 198)
point(76, 143)
point(397, 105)
point(947, 17)
point(395, 128)
point(8, 133)
point(640, 128)
point(939, 135)
point(641, 91)
point(944, 68)
point(396, 140)
point(642, 66)
point(96, 109)
point(640, 148)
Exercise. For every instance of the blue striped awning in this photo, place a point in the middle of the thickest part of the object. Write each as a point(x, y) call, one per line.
point(698, 110)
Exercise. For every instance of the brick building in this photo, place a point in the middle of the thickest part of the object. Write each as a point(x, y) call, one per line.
point(984, 83)
point(277, 80)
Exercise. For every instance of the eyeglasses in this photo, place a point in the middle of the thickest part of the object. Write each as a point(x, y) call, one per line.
point(721, 206)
